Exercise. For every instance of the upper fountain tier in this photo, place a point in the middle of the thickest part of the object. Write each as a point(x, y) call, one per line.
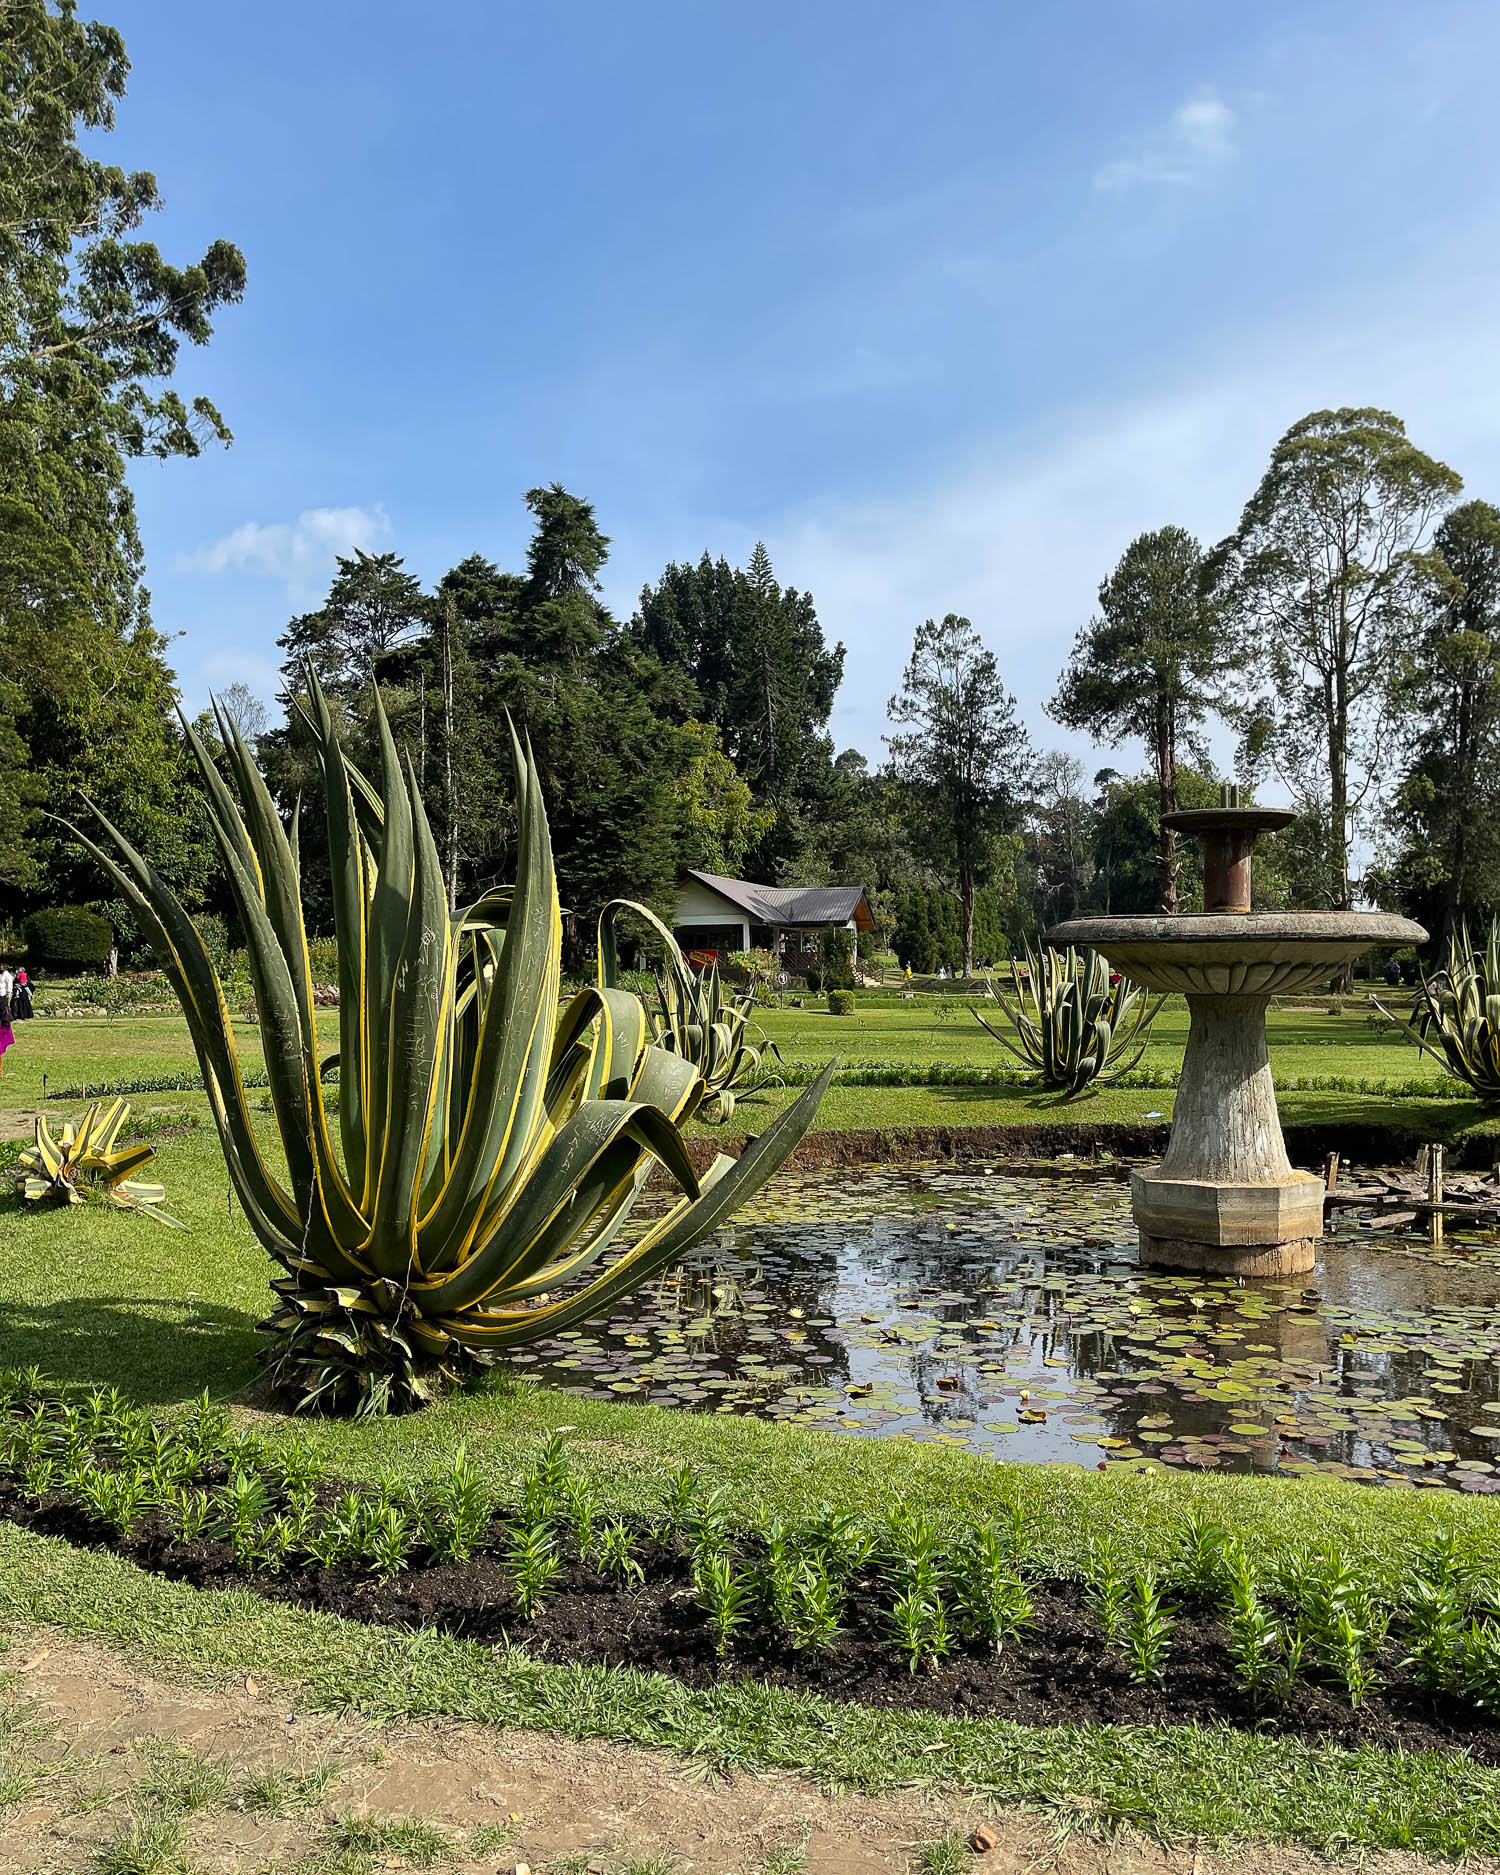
point(1227, 949)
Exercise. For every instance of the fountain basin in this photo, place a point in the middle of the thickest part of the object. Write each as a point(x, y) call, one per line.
point(1270, 953)
point(1225, 1198)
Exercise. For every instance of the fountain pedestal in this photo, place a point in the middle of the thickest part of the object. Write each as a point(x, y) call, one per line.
point(1225, 1194)
point(1224, 1198)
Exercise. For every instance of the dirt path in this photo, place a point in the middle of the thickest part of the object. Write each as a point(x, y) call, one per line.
point(104, 1767)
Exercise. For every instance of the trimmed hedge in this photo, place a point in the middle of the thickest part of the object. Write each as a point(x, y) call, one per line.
point(841, 1002)
point(68, 935)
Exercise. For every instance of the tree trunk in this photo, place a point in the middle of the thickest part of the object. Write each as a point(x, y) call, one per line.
point(1338, 813)
point(450, 791)
point(1166, 787)
point(966, 915)
point(1460, 809)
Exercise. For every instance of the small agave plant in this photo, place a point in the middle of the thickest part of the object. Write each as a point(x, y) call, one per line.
point(1458, 1012)
point(81, 1161)
point(695, 1017)
point(1070, 1023)
point(489, 1149)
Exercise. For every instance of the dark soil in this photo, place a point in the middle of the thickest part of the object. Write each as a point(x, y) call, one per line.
point(1058, 1673)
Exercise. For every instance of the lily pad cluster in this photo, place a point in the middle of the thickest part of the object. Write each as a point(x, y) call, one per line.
point(1011, 1315)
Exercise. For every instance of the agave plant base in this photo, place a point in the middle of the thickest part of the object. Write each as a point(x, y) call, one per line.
point(331, 1349)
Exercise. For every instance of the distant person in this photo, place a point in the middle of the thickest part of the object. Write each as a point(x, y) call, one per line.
point(21, 1009)
point(7, 991)
point(1392, 972)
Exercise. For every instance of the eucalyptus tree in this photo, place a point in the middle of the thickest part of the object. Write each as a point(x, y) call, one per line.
point(1149, 665)
point(1325, 577)
point(960, 752)
point(1446, 809)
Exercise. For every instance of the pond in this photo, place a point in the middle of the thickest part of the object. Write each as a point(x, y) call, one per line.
point(1011, 1315)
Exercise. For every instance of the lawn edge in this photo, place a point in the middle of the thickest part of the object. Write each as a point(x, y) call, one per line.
point(1210, 1785)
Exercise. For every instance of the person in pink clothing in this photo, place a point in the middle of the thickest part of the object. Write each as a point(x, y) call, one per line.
point(7, 991)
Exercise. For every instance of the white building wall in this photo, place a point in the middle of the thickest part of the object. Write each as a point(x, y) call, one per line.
point(697, 905)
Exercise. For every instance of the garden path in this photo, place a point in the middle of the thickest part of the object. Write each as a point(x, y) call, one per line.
point(90, 1746)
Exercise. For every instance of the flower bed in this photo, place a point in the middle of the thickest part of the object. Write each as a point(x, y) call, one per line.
point(898, 1614)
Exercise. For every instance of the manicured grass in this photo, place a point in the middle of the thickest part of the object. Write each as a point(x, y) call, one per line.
point(893, 1107)
point(91, 1293)
point(1213, 1785)
point(885, 1029)
point(1304, 1043)
point(71, 1051)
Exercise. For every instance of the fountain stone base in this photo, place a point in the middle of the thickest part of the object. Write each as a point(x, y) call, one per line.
point(1224, 1198)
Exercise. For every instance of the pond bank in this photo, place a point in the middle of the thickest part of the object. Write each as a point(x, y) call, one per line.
point(1356, 1143)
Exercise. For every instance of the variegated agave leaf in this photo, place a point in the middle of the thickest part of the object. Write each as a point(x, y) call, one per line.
point(1460, 1008)
point(695, 1017)
point(476, 1190)
point(1069, 1023)
point(82, 1161)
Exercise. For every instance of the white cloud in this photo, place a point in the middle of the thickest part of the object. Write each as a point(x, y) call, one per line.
point(1020, 538)
point(295, 551)
point(1197, 139)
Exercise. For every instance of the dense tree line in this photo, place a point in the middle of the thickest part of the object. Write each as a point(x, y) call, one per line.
point(92, 320)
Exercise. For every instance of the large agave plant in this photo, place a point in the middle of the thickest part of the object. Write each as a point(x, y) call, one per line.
point(488, 1150)
point(1461, 1007)
point(695, 1018)
point(82, 1161)
point(1069, 1022)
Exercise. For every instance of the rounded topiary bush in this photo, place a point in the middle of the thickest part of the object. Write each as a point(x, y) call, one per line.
point(841, 1002)
point(68, 937)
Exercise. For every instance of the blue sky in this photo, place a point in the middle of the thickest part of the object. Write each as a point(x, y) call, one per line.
point(944, 301)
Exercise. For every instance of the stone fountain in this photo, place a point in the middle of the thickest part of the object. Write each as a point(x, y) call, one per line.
point(1224, 1197)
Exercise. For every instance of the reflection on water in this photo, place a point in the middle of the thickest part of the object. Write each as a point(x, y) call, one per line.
point(1010, 1315)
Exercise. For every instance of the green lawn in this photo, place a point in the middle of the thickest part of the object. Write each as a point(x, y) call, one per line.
point(95, 1297)
point(1304, 1043)
point(885, 1029)
point(71, 1052)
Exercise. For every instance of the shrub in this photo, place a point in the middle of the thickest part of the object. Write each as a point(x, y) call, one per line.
point(1070, 1023)
point(815, 980)
point(322, 958)
point(837, 948)
point(68, 936)
point(841, 1002)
